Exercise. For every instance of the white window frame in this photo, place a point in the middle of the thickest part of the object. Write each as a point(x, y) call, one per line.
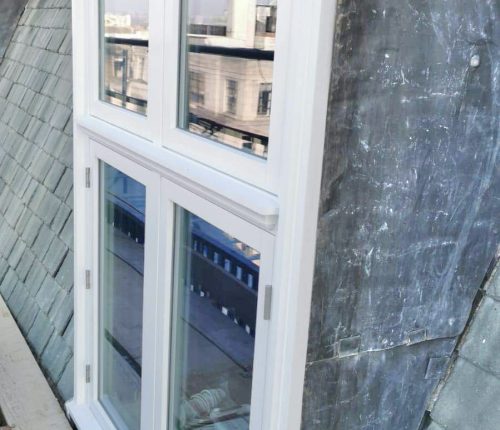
point(174, 195)
point(149, 125)
point(287, 184)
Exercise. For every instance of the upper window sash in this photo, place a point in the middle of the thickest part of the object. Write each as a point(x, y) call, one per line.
point(161, 126)
point(238, 94)
point(126, 60)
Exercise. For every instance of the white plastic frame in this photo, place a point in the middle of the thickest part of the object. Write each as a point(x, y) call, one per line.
point(149, 125)
point(173, 195)
point(88, 299)
point(293, 192)
point(244, 166)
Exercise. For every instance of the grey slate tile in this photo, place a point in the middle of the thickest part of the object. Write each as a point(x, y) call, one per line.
point(65, 275)
point(36, 276)
point(4, 267)
point(62, 311)
point(30, 191)
point(37, 197)
point(67, 232)
point(42, 242)
point(8, 284)
point(61, 217)
point(493, 286)
point(17, 299)
point(14, 211)
point(65, 156)
point(17, 253)
point(469, 400)
point(55, 357)
point(25, 264)
point(8, 239)
point(27, 315)
point(69, 333)
point(40, 333)
point(55, 255)
point(65, 384)
point(54, 176)
point(434, 426)
point(48, 208)
point(481, 345)
point(41, 166)
point(60, 117)
point(33, 226)
point(65, 184)
point(47, 294)
point(21, 181)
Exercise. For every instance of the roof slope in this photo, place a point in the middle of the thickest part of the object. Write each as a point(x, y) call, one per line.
point(469, 397)
point(10, 11)
point(36, 258)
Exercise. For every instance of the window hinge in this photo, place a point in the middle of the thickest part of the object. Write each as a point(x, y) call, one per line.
point(87, 373)
point(87, 279)
point(87, 177)
point(268, 296)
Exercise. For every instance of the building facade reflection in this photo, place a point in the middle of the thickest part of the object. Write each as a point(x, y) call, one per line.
point(229, 62)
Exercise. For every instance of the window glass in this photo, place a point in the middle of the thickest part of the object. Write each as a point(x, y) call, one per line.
point(213, 327)
point(124, 53)
point(229, 46)
point(122, 210)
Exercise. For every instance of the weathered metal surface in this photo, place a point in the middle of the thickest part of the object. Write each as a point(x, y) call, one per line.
point(10, 10)
point(409, 214)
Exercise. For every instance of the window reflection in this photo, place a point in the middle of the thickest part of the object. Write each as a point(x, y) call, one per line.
point(122, 204)
point(124, 57)
point(229, 48)
point(214, 317)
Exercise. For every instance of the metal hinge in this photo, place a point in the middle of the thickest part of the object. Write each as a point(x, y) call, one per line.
point(87, 177)
point(268, 297)
point(87, 373)
point(87, 279)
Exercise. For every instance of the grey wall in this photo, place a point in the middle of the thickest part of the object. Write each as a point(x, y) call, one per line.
point(36, 180)
point(10, 10)
point(410, 201)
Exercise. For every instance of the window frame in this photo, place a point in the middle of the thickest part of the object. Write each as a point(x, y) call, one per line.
point(288, 186)
point(174, 195)
point(262, 173)
point(149, 125)
point(150, 180)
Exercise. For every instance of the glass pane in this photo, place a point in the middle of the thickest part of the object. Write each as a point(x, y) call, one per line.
point(213, 327)
point(122, 211)
point(228, 59)
point(124, 53)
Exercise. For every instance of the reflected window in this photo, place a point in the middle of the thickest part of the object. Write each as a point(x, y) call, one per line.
point(121, 270)
point(196, 89)
point(232, 96)
point(231, 44)
point(265, 94)
point(213, 329)
point(124, 54)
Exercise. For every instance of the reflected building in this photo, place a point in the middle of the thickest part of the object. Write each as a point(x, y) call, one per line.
point(125, 61)
point(226, 72)
point(230, 73)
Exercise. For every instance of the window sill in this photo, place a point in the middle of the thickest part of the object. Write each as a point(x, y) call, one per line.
point(250, 203)
point(82, 416)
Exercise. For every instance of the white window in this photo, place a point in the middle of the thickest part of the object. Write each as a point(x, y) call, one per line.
point(193, 227)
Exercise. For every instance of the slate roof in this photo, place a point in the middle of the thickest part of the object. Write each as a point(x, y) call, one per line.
point(36, 223)
point(469, 397)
